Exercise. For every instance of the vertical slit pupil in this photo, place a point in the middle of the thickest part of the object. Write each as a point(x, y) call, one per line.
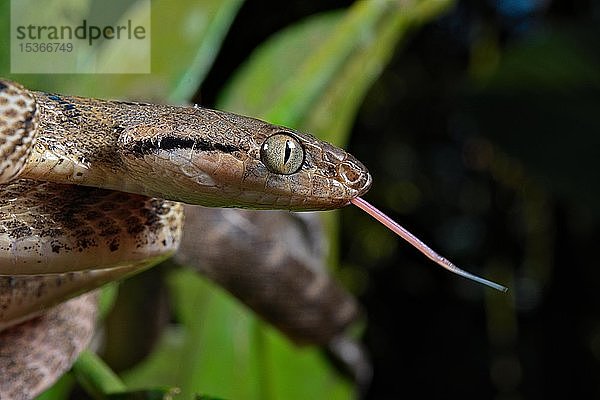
point(288, 152)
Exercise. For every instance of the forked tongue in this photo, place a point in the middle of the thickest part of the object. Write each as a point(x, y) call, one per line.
point(422, 247)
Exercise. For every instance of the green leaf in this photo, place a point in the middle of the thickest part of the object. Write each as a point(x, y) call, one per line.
point(60, 389)
point(108, 296)
point(225, 351)
point(185, 39)
point(150, 394)
point(212, 348)
point(326, 64)
point(332, 115)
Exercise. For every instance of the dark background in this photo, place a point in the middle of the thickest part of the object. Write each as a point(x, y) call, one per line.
point(483, 139)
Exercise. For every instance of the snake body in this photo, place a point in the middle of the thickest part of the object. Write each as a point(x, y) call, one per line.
point(92, 189)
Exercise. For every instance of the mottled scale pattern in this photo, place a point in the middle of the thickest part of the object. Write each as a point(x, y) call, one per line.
point(273, 262)
point(19, 119)
point(189, 154)
point(48, 227)
point(96, 236)
point(32, 353)
point(57, 238)
point(71, 235)
point(25, 296)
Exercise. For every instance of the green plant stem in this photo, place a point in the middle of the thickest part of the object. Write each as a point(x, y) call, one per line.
point(95, 376)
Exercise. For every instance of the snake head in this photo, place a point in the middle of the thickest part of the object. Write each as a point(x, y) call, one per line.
point(213, 158)
point(305, 172)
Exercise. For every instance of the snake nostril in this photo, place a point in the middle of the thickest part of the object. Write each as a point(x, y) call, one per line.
point(354, 175)
point(349, 172)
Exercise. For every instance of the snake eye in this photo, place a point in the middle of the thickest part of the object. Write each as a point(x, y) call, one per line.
point(282, 154)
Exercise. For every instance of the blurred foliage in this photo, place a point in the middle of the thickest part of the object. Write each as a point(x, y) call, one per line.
point(217, 346)
point(547, 89)
point(189, 33)
point(482, 138)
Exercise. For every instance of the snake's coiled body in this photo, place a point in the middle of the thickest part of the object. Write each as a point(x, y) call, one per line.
point(58, 240)
point(34, 353)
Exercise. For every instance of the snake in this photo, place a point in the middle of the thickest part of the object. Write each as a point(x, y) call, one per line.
point(92, 191)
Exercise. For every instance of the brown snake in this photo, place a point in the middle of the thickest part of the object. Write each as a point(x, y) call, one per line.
point(91, 191)
point(82, 200)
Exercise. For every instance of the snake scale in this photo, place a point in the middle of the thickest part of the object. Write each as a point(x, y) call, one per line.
point(92, 191)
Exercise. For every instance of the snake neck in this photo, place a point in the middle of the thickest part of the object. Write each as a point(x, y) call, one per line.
point(76, 141)
point(101, 143)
